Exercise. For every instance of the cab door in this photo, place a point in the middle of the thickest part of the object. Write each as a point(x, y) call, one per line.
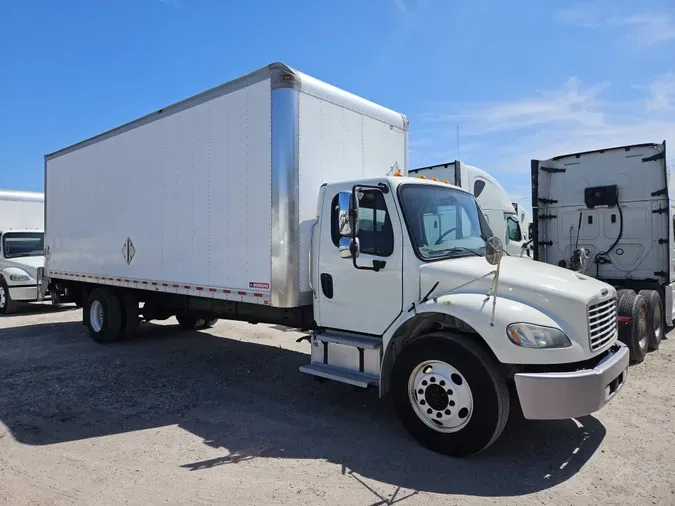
point(361, 299)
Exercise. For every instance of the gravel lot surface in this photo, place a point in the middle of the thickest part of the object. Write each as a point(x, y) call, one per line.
point(224, 416)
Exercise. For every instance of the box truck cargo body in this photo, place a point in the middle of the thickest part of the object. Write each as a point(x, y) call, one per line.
point(266, 200)
point(215, 195)
point(21, 246)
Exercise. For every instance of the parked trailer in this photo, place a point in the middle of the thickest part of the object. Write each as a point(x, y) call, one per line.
point(262, 200)
point(608, 213)
point(21, 246)
point(493, 200)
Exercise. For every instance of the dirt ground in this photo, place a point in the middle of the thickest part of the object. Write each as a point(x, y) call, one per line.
point(175, 417)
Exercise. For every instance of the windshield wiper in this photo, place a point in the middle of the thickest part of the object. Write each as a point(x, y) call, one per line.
point(456, 249)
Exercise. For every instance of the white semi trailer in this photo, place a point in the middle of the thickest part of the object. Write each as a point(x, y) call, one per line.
point(610, 214)
point(493, 200)
point(21, 246)
point(262, 200)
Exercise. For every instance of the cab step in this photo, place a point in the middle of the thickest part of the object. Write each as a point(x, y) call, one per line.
point(356, 378)
point(356, 341)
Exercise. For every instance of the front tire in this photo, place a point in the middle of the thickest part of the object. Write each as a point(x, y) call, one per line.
point(7, 305)
point(450, 395)
point(104, 315)
point(655, 316)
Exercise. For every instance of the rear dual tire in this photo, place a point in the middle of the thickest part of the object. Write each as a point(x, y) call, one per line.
point(191, 321)
point(656, 321)
point(104, 315)
point(110, 315)
point(637, 337)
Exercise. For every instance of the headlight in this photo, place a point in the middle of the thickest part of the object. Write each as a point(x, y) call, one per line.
point(535, 336)
point(19, 277)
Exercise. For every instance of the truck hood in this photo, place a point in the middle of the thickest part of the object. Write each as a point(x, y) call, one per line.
point(534, 283)
point(28, 264)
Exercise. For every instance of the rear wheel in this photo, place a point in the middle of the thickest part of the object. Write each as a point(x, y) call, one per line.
point(655, 321)
point(188, 320)
point(105, 315)
point(450, 395)
point(210, 323)
point(7, 305)
point(634, 307)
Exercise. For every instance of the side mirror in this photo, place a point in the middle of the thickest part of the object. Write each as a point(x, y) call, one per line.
point(348, 215)
point(349, 247)
point(494, 250)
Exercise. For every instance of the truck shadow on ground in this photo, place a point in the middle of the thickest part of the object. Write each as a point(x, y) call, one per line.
point(249, 400)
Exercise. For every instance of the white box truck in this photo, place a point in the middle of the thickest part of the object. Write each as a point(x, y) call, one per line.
point(610, 214)
point(493, 200)
point(21, 246)
point(261, 200)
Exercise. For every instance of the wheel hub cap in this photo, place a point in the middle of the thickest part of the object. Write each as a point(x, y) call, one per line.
point(96, 316)
point(440, 396)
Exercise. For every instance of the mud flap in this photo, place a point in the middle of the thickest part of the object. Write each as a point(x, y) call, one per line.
point(669, 304)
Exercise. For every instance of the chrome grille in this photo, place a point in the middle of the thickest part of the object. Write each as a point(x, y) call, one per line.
point(602, 323)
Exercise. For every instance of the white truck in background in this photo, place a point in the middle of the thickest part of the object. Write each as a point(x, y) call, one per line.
point(263, 200)
point(493, 200)
point(525, 220)
point(21, 246)
point(610, 214)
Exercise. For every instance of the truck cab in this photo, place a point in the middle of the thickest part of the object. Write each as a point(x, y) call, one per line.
point(21, 255)
point(493, 200)
point(409, 295)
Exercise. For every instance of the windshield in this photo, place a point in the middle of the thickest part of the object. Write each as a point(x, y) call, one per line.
point(23, 244)
point(443, 222)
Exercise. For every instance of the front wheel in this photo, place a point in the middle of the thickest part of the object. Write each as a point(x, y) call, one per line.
point(450, 395)
point(7, 305)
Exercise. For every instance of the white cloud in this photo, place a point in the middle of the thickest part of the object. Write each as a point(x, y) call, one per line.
point(571, 104)
point(571, 118)
point(644, 27)
point(662, 94)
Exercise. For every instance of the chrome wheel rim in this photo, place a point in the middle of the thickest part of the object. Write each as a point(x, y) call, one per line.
point(96, 316)
point(440, 396)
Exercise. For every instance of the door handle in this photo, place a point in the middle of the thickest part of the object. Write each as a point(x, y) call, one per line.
point(327, 285)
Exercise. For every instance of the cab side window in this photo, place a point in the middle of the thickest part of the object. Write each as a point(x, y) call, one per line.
point(513, 229)
point(376, 235)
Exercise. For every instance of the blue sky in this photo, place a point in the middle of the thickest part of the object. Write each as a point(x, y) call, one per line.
point(522, 79)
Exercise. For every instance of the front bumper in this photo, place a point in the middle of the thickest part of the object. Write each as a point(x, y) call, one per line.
point(24, 293)
point(561, 395)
